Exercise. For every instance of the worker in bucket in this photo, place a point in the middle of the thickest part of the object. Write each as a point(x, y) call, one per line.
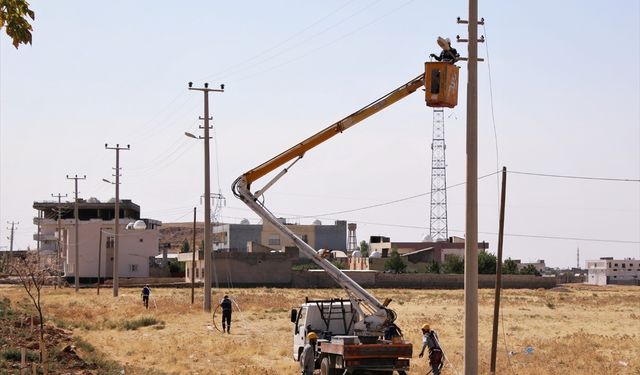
point(448, 53)
point(226, 306)
point(308, 356)
point(146, 292)
point(430, 340)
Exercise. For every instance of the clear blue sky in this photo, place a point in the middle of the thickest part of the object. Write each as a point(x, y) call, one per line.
point(566, 93)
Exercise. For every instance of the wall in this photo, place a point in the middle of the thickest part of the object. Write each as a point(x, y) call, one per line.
point(332, 237)
point(371, 279)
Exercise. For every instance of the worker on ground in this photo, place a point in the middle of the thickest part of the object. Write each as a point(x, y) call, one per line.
point(226, 306)
point(430, 340)
point(146, 292)
point(308, 356)
point(448, 54)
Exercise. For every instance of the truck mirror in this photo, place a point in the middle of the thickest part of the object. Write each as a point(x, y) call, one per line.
point(294, 315)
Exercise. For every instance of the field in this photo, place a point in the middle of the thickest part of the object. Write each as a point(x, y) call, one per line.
point(569, 330)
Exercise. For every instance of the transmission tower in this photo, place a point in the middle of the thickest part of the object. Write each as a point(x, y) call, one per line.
point(438, 221)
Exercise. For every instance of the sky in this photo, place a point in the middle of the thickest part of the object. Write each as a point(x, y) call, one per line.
point(558, 94)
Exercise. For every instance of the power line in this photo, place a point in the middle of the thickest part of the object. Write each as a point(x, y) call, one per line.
point(576, 177)
point(389, 202)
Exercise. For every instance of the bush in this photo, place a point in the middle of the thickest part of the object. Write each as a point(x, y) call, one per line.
point(395, 263)
point(145, 321)
point(15, 355)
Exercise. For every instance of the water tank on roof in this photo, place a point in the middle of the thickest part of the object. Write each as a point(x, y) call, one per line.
point(93, 200)
point(317, 222)
point(427, 238)
point(376, 254)
point(244, 222)
point(356, 254)
point(139, 225)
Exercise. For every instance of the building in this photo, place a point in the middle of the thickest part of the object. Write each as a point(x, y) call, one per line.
point(539, 265)
point(239, 237)
point(607, 270)
point(416, 255)
point(245, 241)
point(96, 220)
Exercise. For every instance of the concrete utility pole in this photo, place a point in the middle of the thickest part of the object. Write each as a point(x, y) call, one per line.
point(59, 242)
point(76, 266)
point(207, 193)
point(10, 238)
point(471, 226)
point(116, 239)
point(193, 259)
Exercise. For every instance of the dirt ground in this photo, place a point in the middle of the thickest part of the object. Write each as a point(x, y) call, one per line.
point(570, 330)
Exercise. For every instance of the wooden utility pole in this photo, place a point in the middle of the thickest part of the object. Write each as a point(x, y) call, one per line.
point(76, 266)
point(193, 260)
point(10, 238)
point(117, 215)
point(496, 307)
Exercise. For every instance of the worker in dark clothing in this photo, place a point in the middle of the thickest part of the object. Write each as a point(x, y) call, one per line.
point(430, 340)
point(448, 54)
point(146, 292)
point(226, 306)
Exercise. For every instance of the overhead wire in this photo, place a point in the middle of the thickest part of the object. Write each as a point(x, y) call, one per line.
point(575, 177)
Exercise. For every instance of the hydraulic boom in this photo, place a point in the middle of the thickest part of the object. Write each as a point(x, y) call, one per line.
point(374, 316)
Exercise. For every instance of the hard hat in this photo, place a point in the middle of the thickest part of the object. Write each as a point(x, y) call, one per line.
point(312, 336)
point(425, 327)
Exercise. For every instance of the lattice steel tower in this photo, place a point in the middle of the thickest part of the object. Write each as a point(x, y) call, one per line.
point(438, 222)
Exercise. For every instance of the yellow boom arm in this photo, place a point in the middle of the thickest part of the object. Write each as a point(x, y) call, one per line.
point(301, 148)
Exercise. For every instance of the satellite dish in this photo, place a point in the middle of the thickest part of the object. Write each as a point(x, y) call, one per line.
point(129, 226)
point(356, 254)
point(376, 254)
point(139, 225)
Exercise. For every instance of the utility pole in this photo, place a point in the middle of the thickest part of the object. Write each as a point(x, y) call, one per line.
point(10, 238)
point(471, 225)
point(59, 242)
point(117, 218)
point(207, 193)
point(193, 259)
point(76, 266)
point(496, 306)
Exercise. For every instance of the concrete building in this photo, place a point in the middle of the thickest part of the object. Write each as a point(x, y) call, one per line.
point(236, 237)
point(539, 265)
point(245, 241)
point(416, 255)
point(607, 270)
point(135, 247)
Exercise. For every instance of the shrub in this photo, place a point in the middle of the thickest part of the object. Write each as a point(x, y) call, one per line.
point(145, 321)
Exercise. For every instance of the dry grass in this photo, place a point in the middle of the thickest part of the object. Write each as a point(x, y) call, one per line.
point(577, 331)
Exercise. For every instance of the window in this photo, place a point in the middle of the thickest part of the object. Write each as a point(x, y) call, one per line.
point(305, 238)
point(624, 265)
point(110, 242)
point(141, 240)
point(274, 239)
point(197, 273)
point(615, 269)
point(615, 265)
point(133, 268)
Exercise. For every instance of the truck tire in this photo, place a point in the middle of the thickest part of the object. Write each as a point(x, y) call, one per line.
point(327, 367)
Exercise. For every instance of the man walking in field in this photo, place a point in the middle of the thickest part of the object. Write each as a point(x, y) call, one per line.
point(146, 291)
point(430, 340)
point(226, 306)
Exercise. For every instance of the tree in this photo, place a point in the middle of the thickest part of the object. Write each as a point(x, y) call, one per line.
point(13, 17)
point(32, 277)
point(394, 263)
point(364, 248)
point(510, 267)
point(433, 267)
point(453, 264)
point(184, 248)
point(530, 269)
point(486, 263)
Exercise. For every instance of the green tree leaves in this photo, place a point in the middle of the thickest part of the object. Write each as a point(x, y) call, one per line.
point(13, 17)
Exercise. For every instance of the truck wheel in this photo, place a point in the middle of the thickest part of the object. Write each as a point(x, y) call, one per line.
point(326, 367)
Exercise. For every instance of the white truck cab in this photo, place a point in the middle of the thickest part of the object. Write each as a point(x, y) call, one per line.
point(327, 318)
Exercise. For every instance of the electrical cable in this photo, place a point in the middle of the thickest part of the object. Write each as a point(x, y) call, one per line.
point(576, 177)
point(493, 117)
